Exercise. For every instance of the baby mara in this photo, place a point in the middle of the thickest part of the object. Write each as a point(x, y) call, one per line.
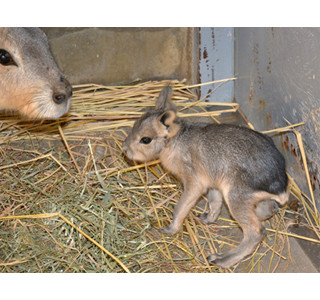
point(236, 164)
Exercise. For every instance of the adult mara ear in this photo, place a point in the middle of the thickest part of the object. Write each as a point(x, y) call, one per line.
point(164, 101)
point(167, 119)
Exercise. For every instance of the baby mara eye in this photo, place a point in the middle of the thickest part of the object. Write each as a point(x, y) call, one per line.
point(6, 59)
point(146, 140)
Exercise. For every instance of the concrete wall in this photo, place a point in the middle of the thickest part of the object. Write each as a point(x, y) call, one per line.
point(122, 55)
point(279, 77)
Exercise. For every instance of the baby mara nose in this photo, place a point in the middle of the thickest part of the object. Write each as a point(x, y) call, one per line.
point(125, 147)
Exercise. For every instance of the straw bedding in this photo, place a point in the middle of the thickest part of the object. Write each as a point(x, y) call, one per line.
point(70, 201)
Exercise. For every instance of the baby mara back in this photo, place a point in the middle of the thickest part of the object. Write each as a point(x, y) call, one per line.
point(236, 164)
point(227, 154)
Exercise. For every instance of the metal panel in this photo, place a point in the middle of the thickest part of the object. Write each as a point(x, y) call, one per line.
point(216, 62)
point(278, 71)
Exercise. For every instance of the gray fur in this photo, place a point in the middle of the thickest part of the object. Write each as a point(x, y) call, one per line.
point(34, 86)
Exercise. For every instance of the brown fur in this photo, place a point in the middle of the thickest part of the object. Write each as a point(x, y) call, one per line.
point(236, 164)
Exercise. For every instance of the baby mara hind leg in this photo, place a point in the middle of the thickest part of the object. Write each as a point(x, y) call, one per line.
point(242, 208)
point(265, 209)
point(215, 204)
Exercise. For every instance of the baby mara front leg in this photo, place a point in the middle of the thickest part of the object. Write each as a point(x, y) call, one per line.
point(188, 199)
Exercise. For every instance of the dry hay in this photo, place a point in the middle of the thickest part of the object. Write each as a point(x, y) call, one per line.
point(71, 202)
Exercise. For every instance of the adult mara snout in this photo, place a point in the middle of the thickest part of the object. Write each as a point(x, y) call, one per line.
point(30, 80)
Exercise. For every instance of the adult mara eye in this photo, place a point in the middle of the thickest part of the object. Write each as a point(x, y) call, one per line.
point(6, 59)
point(145, 140)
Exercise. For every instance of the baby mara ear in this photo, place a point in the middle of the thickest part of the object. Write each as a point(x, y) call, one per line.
point(166, 121)
point(164, 101)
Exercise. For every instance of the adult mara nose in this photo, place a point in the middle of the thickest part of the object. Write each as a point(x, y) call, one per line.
point(63, 93)
point(59, 98)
